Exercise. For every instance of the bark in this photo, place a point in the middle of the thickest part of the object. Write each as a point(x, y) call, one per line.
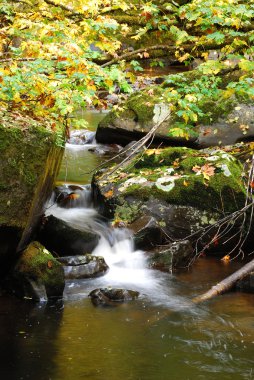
point(226, 284)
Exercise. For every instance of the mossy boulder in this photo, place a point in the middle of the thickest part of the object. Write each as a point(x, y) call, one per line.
point(224, 121)
point(30, 158)
point(37, 275)
point(183, 189)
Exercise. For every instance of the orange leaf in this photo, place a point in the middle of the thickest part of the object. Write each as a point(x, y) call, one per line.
point(226, 259)
point(207, 131)
point(73, 196)
point(50, 264)
point(108, 194)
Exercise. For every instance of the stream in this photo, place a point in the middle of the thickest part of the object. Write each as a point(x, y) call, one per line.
point(159, 336)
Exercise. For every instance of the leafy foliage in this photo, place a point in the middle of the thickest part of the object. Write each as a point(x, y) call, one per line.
point(52, 52)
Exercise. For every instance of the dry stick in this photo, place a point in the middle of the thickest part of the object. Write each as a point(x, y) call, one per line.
point(226, 284)
point(138, 145)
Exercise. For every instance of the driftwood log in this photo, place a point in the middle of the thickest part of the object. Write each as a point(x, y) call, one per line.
point(226, 284)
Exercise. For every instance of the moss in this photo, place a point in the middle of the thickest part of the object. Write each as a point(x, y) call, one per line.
point(38, 264)
point(177, 183)
point(24, 161)
point(213, 110)
point(127, 211)
point(143, 104)
point(161, 157)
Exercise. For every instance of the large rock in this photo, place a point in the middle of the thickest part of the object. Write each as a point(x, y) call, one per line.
point(37, 275)
point(225, 121)
point(174, 256)
point(85, 266)
point(63, 240)
point(183, 190)
point(30, 158)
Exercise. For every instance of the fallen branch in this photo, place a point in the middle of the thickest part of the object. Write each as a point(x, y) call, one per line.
point(135, 148)
point(226, 284)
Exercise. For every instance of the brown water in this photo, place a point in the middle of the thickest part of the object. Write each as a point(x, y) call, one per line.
point(160, 336)
point(139, 340)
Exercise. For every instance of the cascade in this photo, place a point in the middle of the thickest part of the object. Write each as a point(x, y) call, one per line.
point(128, 267)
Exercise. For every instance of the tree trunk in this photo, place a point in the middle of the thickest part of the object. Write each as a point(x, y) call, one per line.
point(226, 284)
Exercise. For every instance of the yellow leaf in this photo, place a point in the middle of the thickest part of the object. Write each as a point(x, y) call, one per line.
point(16, 97)
point(184, 57)
point(226, 259)
point(228, 93)
point(205, 55)
point(185, 183)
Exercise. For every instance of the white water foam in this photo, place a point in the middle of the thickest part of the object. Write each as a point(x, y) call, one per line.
point(128, 267)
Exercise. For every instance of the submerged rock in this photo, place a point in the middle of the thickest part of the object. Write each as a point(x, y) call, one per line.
point(63, 240)
point(37, 275)
point(112, 296)
point(85, 266)
point(177, 255)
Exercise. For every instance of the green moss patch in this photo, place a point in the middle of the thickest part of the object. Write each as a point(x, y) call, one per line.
point(208, 180)
point(37, 263)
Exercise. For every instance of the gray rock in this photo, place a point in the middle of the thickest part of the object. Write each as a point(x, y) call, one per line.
point(59, 237)
point(81, 137)
point(177, 255)
point(112, 296)
point(86, 266)
point(147, 232)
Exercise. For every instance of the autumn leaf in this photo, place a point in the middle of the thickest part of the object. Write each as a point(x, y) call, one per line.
point(49, 264)
point(226, 259)
point(108, 194)
point(150, 152)
point(197, 169)
point(207, 131)
point(206, 170)
point(73, 196)
point(123, 175)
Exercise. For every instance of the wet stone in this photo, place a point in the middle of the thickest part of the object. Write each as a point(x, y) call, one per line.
point(81, 137)
point(61, 238)
point(112, 296)
point(177, 255)
point(84, 266)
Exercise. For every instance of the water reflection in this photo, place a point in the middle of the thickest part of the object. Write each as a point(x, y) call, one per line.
point(29, 335)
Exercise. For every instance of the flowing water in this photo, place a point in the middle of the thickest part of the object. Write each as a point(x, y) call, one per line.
point(159, 336)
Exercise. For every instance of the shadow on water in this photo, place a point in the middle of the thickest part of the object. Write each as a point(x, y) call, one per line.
point(28, 336)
